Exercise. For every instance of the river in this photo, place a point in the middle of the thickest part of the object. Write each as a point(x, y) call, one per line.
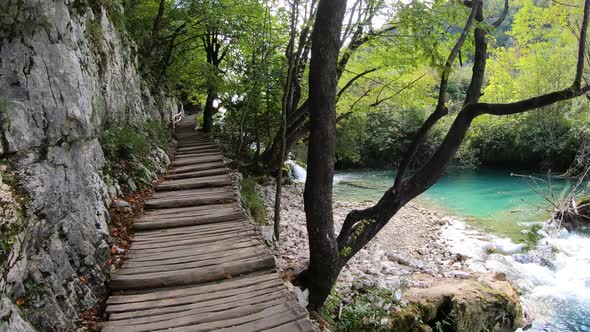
point(491, 207)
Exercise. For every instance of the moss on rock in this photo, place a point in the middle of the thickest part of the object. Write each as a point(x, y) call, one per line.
point(462, 306)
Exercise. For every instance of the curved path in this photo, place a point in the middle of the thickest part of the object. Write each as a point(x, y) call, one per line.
point(196, 263)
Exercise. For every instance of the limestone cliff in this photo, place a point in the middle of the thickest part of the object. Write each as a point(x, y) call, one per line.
point(67, 70)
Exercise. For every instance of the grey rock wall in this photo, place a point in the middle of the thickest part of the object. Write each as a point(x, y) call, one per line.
point(66, 71)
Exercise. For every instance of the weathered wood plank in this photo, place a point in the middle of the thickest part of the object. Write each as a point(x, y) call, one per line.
point(199, 300)
point(140, 257)
point(189, 209)
point(197, 154)
point(189, 201)
point(197, 174)
point(268, 300)
point(224, 316)
point(196, 258)
point(188, 221)
point(270, 320)
point(193, 192)
point(202, 234)
point(179, 247)
point(279, 311)
point(197, 167)
point(190, 276)
point(186, 235)
point(156, 234)
point(192, 240)
point(210, 181)
point(194, 290)
point(197, 160)
point(237, 256)
point(202, 212)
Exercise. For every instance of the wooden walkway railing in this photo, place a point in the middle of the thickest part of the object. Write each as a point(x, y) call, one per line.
point(196, 263)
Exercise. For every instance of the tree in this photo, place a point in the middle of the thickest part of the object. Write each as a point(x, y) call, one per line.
point(358, 32)
point(328, 252)
point(322, 272)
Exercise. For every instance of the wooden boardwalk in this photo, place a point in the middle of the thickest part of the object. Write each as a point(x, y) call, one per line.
point(196, 263)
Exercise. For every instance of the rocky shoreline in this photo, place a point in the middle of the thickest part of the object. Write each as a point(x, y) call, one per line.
point(409, 256)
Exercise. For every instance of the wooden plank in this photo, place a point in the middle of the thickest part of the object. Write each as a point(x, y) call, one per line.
point(197, 300)
point(270, 320)
point(191, 276)
point(197, 167)
point(188, 151)
point(236, 256)
point(189, 209)
point(210, 181)
point(194, 290)
point(200, 192)
point(222, 324)
point(203, 212)
point(194, 144)
point(197, 154)
point(199, 179)
point(196, 246)
point(246, 310)
point(139, 257)
point(204, 234)
point(156, 234)
point(192, 240)
point(182, 202)
point(207, 232)
point(197, 174)
point(197, 160)
point(198, 148)
point(188, 221)
point(267, 300)
point(193, 192)
point(196, 258)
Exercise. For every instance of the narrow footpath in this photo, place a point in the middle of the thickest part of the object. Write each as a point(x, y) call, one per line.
point(196, 263)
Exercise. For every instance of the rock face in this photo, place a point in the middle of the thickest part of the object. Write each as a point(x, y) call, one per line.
point(462, 306)
point(66, 71)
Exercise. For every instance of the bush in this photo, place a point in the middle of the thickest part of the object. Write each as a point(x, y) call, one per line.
point(365, 312)
point(252, 202)
point(127, 149)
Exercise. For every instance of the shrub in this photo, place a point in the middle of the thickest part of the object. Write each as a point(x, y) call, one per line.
point(127, 149)
point(252, 202)
point(365, 312)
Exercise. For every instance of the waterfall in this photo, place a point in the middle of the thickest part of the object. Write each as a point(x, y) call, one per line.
point(298, 173)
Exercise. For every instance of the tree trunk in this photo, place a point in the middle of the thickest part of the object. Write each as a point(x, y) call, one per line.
point(323, 265)
point(209, 110)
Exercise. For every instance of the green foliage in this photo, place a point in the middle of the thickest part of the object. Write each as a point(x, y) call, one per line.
point(127, 147)
point(380, 138)
point(364, 312)
point(252, 202)
point(533, 237)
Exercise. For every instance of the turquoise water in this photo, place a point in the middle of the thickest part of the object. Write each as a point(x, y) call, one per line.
point(491, 199)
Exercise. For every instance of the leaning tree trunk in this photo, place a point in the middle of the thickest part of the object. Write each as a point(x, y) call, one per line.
point(323, 265)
